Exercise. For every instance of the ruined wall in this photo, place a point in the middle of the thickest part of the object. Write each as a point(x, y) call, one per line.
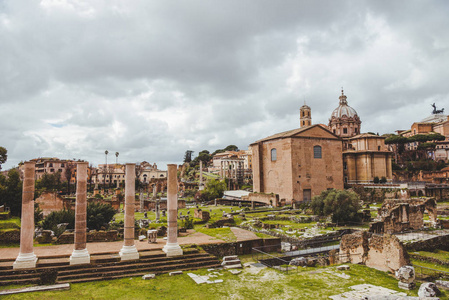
point(269, 199)
point(401, 215)
point(50, 201)
point(385, 253)
point(200, 214)
point(151, 204)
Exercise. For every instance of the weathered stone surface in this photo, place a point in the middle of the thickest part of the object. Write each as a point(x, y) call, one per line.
point(343, 268)
point(299, 261)
point(235, 272)
point(175, 273)
point(406, 274)
point(148, 276)
point(385, 253)
point(442, 284)
point(428, 289)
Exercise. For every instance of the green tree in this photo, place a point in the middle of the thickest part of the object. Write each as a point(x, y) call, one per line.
point(3, 156)
point(11, 191)
point(342, 205)
point(231, 148)
point(99, 215)
point(214, 189)
point(399, 142)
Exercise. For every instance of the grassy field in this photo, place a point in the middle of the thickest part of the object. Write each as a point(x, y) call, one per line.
point(253, 283)
point(439, 254)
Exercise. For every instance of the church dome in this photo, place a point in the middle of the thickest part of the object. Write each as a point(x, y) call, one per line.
point(343, 109)
point(344, 120)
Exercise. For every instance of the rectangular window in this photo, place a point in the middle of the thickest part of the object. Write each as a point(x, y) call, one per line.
point(345, 130)
point(317, 152)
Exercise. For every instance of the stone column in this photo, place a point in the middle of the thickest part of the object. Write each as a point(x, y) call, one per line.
point(154, 191)
point(129, 251)
point(141, 201)
point(157, 211)
point(80, 255)
point(201, 186)
point(172, 248)
point(26, 258)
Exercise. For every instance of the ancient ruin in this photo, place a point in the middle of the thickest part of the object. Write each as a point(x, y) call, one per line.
point(381, 252)
point(401, 215)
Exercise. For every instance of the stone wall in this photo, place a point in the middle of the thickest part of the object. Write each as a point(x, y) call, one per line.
point(243, 247)
point(439, 242)
point(385, 253)
point(50, 201)
point(151, 204)
point(9, 236)
point(269, 199)
point(402, 215)
point(92, 236)
point(200, 214)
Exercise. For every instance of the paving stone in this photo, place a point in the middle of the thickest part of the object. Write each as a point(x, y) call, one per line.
point(343, 267)
point(235, 272)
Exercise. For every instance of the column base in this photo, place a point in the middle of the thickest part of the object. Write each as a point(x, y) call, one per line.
point(129, 253)
point(80, 257)
point(172, 249)
point(25, 261)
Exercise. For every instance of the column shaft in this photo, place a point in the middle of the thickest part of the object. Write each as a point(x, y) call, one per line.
point(26, 258)
point(172, 248)
point(129, 251)
point(80, 255)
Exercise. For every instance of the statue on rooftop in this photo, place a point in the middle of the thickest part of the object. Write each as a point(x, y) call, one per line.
point(435, 110)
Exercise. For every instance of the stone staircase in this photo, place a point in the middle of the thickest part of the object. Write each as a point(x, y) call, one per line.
point(108, 266)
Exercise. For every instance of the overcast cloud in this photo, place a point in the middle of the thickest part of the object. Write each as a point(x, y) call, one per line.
point(151, 79)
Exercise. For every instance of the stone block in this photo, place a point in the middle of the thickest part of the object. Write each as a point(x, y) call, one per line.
point(343, 268)
point(442, 284)
point(428, 289)
point(148, 276)
point(175, 273)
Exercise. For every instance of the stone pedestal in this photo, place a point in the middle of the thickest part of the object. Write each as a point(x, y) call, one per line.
point(172, 247)
point(26, 258)
point(406, 286)
point(80, 255)
point(129, 251)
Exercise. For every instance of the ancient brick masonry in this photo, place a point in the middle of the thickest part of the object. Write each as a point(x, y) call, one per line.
point(385, 253)
point(401, 215)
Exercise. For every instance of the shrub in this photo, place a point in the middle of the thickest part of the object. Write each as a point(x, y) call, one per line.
point(57, 217)
point(99, 215)
point(187, 223)
point(383, 179)
point(376, 179)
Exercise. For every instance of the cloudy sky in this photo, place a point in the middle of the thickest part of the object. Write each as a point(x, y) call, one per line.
point(151, 79)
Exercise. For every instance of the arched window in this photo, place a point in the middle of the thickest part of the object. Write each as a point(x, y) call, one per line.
point(316, 151)
point(273, 154)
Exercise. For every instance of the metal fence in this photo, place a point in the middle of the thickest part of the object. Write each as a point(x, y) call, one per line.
point(429, 273)
point(280, 260)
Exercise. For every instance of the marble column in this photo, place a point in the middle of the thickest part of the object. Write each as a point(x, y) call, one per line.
point(26, 258)
point(172, 248)
point(80, 255)
point(129, 251)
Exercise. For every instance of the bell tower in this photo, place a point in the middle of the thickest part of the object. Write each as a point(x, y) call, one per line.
point(305, 116)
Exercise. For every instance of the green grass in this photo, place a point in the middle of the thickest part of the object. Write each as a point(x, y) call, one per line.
point(224, 234)
point(438, 254)
point(14, 222)
point(267, 284)
point(429, 265)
